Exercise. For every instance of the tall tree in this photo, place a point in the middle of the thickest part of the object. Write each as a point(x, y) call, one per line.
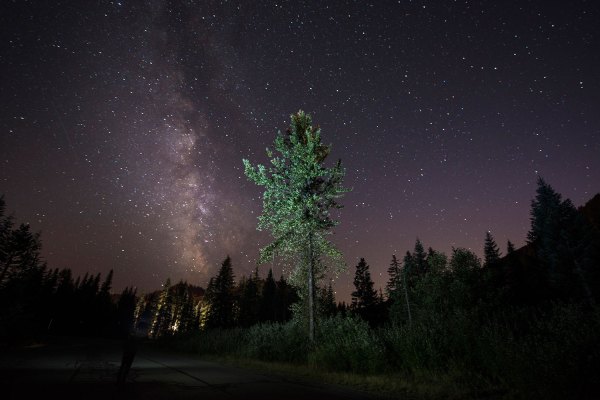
point(300, 193)
point(563, 241)
point(249, 301)
point(395, 278)
point(510, 247)
point(464, 288)
point(107, 284)
point(286, 295)
point(490, 251)
point(19, 251)
point(268, 299)
point(222, 298)
point(436, 261)
point(328, 305)
point(419, 258)
point(365, 296)
point(545, 216)
point(163, 315)
point(125, 311)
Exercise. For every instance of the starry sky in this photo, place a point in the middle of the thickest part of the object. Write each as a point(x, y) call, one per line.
point(124, 123)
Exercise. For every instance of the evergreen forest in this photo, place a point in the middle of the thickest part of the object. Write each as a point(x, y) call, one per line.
point(520, 322)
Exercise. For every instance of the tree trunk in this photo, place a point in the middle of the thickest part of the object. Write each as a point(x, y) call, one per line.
point(311, 292)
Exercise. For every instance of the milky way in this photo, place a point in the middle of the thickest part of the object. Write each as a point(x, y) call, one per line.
point(124, 123)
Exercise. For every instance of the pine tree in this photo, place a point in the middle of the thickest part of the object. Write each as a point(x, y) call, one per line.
point(19, 251)
point(364, 297)
point(163, 315)
point(342, 309)
point(268, 299)
point(107, 284)
point(490, 251)
point(510, 247)
point(222, 298)
point(562, 241)
point(328, 306)
point(286, 295)
point(545, 216)
point(436, 261)
point(249, 304)
point(125, 311)
point(465, 267)
point(419, 258)
point(299, 194)
point(186, 314)
point(395, 278)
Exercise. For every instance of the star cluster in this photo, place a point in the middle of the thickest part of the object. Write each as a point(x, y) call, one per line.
point(124, 123)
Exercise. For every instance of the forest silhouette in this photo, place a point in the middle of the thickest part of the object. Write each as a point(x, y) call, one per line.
point(520, 322)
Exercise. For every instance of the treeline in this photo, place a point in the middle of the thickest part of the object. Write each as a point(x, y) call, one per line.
point(184, 308)
point(36, 300)
point(523, 324)
point(560, 263)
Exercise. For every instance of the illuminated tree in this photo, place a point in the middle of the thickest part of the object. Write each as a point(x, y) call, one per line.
point(163, 316)
point(299, 194)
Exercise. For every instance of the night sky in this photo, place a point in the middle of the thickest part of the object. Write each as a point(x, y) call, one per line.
point(123, 124)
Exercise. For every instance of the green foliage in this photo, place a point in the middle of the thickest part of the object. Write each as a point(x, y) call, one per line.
point(419, 259)
point(395, 278)
point(299, 195)
point(276, 342)
point(216, 341)
point(326, 297)
point(347, 344)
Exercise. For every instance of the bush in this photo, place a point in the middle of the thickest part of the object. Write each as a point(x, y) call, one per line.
point(346, 344)
point(552, 353)
point(559, 355)
point(213, 341)
point(276, 342)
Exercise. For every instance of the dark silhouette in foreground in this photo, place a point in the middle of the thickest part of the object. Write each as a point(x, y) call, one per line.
point(129, 350)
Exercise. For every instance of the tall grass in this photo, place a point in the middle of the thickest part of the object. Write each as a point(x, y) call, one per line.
point(550, 354)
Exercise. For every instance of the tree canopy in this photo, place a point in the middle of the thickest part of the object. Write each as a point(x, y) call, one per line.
point(299, 194)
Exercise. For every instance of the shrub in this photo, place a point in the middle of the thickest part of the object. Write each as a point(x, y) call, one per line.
point(346, 344)
point(276, 342)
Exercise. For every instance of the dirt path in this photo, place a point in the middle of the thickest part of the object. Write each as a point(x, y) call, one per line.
point(88, 370)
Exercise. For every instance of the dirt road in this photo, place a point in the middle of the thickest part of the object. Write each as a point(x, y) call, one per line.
point(75, 369)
